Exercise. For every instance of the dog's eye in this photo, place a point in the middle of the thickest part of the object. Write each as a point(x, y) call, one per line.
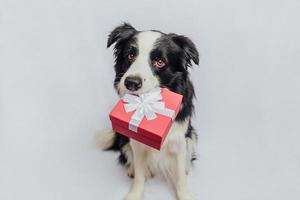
point(130, 57)
point(159, 63)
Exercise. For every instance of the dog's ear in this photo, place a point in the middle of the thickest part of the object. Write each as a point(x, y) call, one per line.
point(121, 32)
point(188, 47)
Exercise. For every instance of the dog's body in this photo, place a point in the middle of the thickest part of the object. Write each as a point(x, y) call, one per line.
point(145, 60)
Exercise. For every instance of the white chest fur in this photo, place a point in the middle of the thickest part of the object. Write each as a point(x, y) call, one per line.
point(163, 161)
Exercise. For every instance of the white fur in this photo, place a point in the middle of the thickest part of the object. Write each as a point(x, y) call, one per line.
point(141, 65)
point(170, 161)
point(105, 138)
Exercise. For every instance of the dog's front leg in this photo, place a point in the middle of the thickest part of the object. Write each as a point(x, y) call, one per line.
point(139, 161)
point(180, 181)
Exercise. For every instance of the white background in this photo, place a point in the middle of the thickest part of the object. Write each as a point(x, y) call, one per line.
point(56, 87)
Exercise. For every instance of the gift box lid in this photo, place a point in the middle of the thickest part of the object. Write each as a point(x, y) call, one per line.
point(155, 129)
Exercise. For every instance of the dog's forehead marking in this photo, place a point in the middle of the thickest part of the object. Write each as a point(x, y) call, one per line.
point(146, 41)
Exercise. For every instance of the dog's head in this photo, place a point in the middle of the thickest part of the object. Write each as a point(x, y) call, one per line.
point(147, 59)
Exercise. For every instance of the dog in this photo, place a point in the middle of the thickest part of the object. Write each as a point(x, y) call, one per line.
point(145, 60)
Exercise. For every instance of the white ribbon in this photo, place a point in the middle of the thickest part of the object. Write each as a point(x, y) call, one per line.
point(147, 105)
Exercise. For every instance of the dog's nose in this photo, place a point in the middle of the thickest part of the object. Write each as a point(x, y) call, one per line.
point(133, 83)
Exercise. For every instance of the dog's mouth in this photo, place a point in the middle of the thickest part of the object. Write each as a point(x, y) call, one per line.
point(122, 91)
point(147, 85)
point(140, 91)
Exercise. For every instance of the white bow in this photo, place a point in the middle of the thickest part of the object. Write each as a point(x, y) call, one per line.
point(147, 105)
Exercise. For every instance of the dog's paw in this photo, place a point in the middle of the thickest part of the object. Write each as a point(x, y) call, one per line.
point(133, 196)
point(184, 195)
point(130, 171)
point(149, 173)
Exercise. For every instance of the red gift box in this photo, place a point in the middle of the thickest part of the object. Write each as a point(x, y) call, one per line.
point(152, 127)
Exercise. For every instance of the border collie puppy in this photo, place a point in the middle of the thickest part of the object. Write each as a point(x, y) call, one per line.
point(145, 60)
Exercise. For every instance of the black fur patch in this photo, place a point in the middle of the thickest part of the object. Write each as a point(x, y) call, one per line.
point(191, 133)
point(122, 159)
point(119, 142)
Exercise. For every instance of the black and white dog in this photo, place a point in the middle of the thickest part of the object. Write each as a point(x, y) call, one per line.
point(143, 61)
